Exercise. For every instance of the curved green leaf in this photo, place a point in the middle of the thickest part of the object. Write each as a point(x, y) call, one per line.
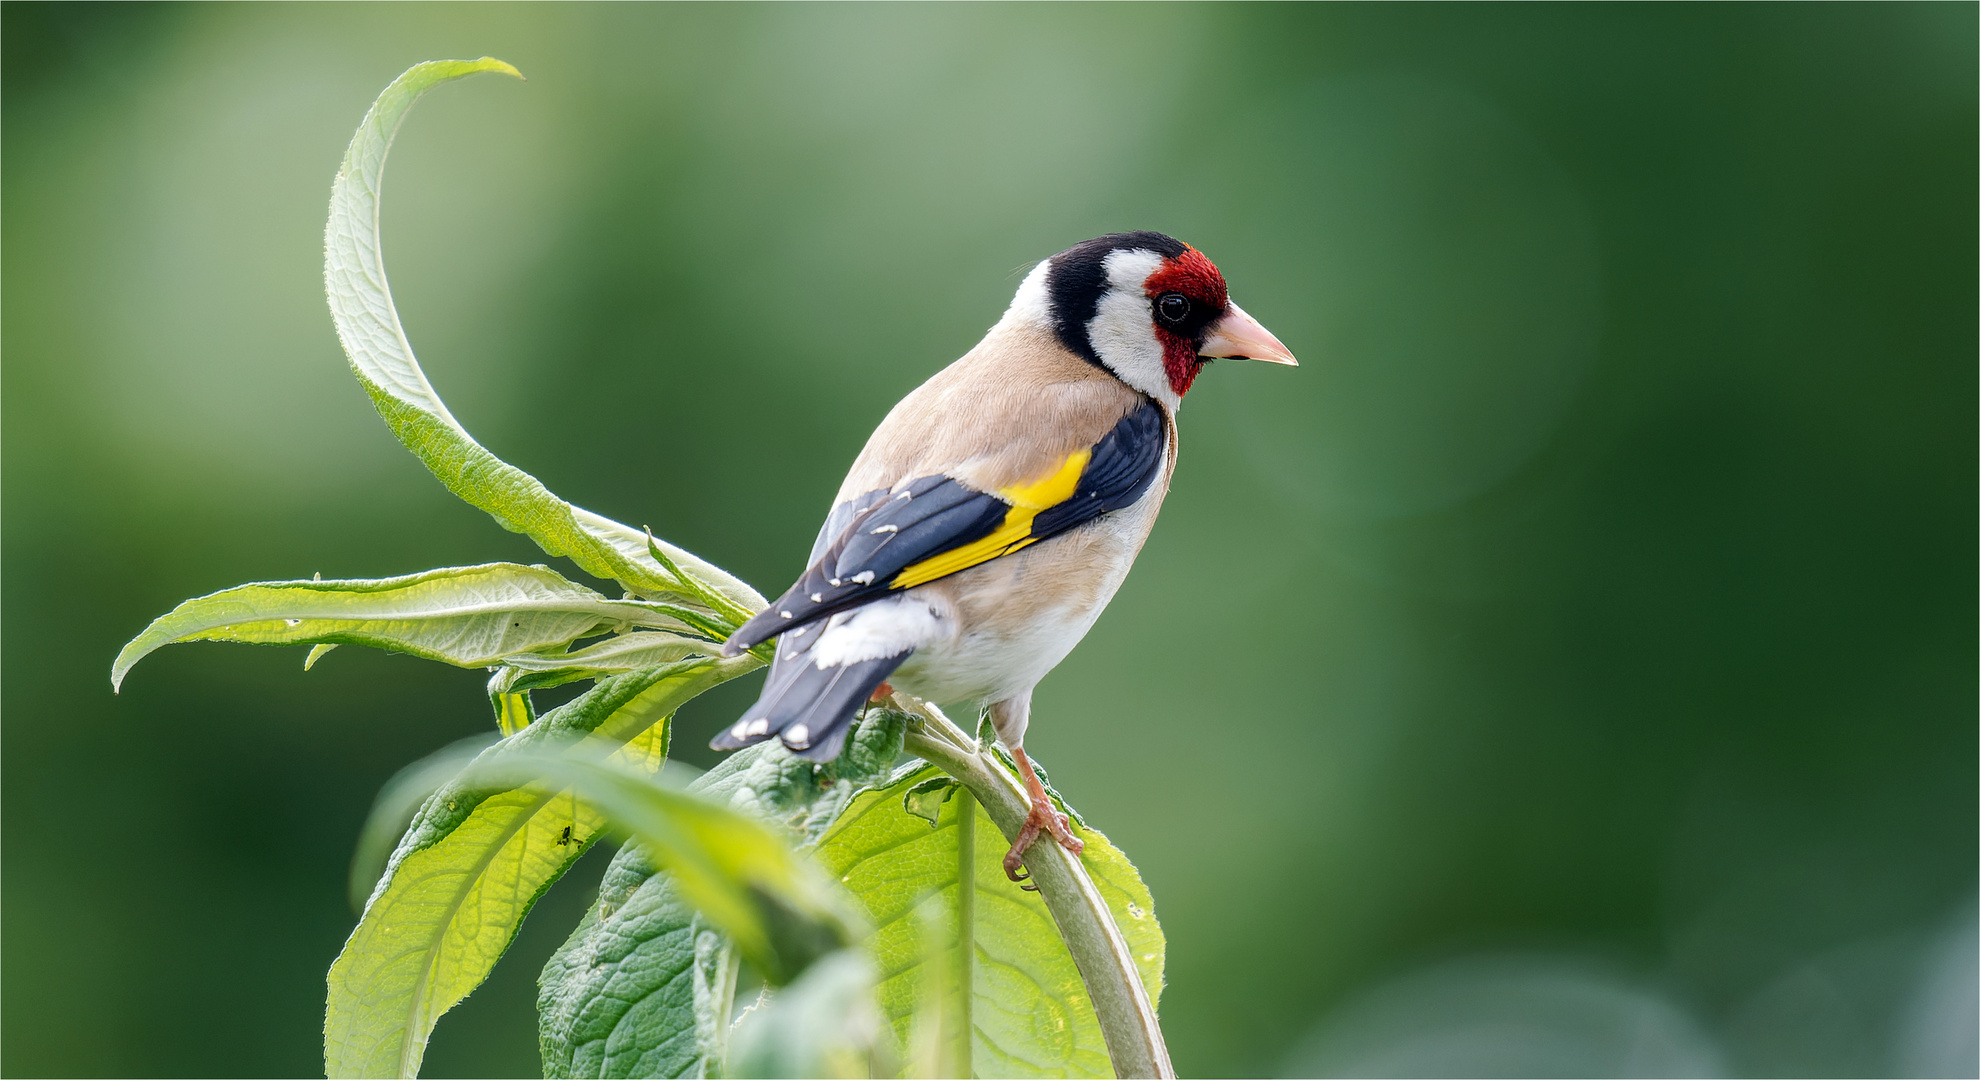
point(472, 616)
point(472, 865)
point(1027, 1012)
point(382, 358)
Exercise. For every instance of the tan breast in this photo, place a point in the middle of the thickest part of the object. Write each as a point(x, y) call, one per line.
point(1008, 412)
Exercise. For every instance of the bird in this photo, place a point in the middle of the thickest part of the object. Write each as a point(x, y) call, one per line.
point(998, 507)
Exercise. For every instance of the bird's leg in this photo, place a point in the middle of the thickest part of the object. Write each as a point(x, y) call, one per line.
point(1044, 817)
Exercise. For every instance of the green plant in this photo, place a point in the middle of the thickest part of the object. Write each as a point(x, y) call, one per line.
point(856, 891)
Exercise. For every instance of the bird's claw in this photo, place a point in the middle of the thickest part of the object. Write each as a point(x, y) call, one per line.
point(1042, 818)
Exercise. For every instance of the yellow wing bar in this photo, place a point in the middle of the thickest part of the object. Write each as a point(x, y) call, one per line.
point(1015, 532)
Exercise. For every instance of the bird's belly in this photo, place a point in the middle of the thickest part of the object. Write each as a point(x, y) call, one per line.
point(1016, 617)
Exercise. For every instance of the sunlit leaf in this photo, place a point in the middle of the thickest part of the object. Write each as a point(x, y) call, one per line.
point(382, 358)
point(1027, 1009)
point(644, 985)
point(472, 616)
point(474, 861)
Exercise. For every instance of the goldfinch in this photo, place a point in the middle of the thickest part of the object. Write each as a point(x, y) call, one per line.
point(997, 508)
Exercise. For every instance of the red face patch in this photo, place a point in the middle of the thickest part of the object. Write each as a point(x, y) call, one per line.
point(1194, 276)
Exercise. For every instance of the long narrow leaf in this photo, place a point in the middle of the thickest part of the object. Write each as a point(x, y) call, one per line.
point(382, 358)
point(472, 616)
point(471, 866)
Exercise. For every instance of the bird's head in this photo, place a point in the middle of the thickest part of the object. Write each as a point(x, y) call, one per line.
point(1146, 307)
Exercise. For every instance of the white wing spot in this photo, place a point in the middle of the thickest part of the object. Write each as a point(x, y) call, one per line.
point(904, 495)
point(836, 583)
point(817, 598)
point(864, 577)
point(785, 614)
point(885, 529)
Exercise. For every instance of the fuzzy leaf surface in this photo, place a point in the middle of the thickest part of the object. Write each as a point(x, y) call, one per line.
point(470, 616)
point(473, 863)
point(1028, 1012)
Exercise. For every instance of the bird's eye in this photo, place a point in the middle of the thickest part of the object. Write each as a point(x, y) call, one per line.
point(1173, 307)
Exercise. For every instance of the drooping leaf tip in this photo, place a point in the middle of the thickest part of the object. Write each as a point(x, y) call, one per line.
point(489, 63)
point(454, 69)
point(126, 660)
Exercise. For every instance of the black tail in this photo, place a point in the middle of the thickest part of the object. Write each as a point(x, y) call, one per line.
point(808, 707)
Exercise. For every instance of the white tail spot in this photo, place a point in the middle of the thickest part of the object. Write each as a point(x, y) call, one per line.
point(797, 736)
point(758, 726)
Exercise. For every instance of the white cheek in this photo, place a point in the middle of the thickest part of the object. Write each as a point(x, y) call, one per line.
point(1032, 306)
point(1123, 331)
point(1125, 339)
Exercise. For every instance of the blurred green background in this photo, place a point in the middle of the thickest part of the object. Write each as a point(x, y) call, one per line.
point(1570, 669)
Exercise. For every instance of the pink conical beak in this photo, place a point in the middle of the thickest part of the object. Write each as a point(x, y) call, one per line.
point(1239, 336)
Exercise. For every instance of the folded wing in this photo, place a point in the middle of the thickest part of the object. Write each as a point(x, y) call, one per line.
point(934, 526)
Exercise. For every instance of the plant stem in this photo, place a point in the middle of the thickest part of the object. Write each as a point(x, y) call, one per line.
point(1134, 1035)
